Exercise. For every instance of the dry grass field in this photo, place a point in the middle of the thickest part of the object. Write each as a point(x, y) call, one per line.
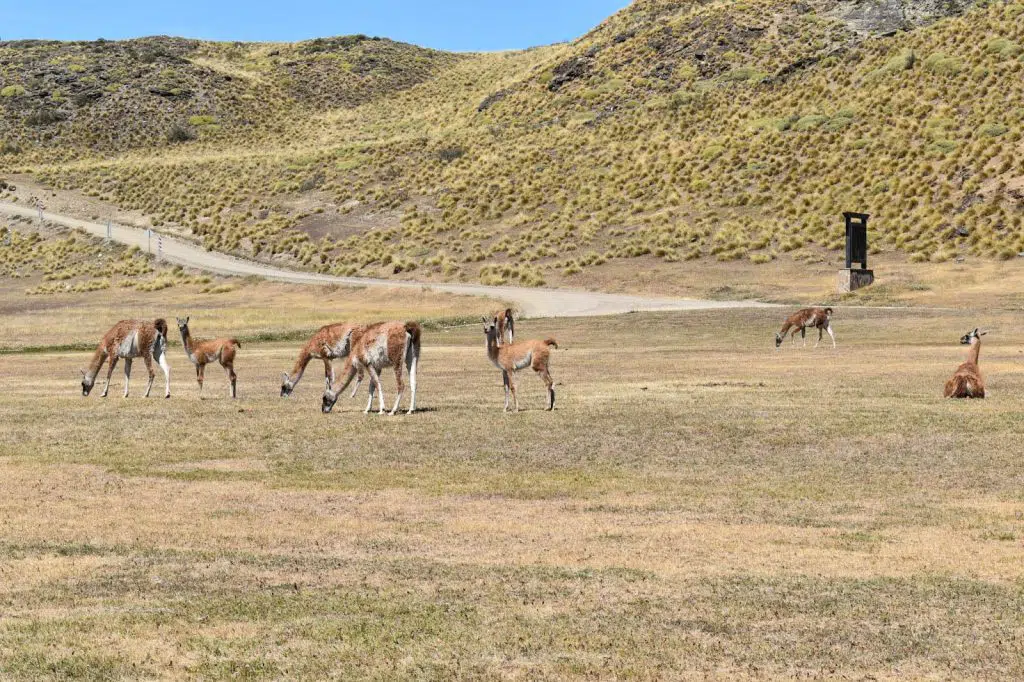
point(698, 504)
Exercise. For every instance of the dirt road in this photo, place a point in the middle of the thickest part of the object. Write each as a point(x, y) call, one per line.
point(533, 302)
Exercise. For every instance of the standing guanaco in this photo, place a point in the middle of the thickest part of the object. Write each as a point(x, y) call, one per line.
point(330, 342)
point(130, 339)
point(386, 344)
point(203, 352)
point(506, 326)
point(510, 358)
point(819, 318)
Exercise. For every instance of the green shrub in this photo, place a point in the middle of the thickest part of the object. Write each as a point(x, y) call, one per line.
point(992, 130)
point(942, 64)
point(810, 122)
point(1003, 47)
point(744, 74)
point(202, 120)
point(712, 152)
point(12, 91)
point(942, 146)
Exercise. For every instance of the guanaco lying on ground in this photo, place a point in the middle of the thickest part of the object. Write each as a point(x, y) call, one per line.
point(967, 381)
point(130, 339)
point(511, 358)
point(820, 318)
point(202, 353)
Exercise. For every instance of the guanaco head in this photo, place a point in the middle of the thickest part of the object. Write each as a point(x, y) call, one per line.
point(828, 312)
point(330, 398)
point(971, 337)
point(491, 329)
point(287, 385)
point(87, 383)
point(778, 339)
point(183, 324)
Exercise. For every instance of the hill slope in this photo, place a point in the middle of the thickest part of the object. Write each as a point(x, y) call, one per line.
point(673, 131)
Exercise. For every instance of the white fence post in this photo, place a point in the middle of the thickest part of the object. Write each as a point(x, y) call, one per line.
point(108, 231)
point(149, 242)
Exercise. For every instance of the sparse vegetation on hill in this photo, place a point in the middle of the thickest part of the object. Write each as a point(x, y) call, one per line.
point(673, 131)
point(77, 263)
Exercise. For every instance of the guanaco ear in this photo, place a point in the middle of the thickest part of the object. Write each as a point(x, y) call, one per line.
point(187, 318)
point(83, 372)
point(285, 376)
point(486, 321)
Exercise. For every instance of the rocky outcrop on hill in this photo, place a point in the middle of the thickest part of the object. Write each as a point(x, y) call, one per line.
point(881, 17)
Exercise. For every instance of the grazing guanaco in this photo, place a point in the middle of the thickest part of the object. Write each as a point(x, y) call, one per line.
point(511, 358)
point(506, 326)
point(815, 318)
point(967, 381)
point(330, 342)
point(130, 339)
point(203, 352)
point(386, 344)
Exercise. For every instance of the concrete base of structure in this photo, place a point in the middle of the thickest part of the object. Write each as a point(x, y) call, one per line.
point(851, 280)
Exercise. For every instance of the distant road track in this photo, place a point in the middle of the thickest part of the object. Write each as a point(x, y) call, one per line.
point(533, 302)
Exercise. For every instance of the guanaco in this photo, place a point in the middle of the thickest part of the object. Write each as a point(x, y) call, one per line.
point(510, 358)
point(967, 381)
point(203, 352)
point(130, 339)
point(386, 344)
point(330, 342)
point(819, 318)
point(506, 326)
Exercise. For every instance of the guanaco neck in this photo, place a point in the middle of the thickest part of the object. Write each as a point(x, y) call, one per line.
point(305, 355)
point(97, 361)
point(974, 351)
point(186, 339)
point(492, 345)
point(349, 371)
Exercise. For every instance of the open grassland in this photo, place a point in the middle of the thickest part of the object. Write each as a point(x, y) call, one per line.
point(674, 132)
point(697, 504)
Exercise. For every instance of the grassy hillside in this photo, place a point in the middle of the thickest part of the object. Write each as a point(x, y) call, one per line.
point(674, 131)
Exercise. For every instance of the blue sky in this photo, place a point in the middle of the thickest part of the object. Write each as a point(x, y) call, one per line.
point(442, 24)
